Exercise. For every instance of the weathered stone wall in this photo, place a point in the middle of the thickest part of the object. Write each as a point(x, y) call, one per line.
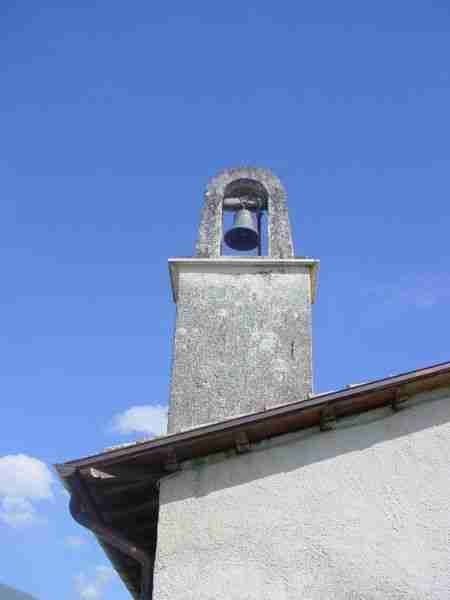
point(210, 234)
point(242, 339)
point(359, 513)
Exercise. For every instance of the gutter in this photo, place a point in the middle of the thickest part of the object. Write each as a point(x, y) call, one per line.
point(179, 445)
point(163, 455)
point(85, 512)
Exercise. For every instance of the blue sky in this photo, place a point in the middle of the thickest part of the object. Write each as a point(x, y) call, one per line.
point(113, 117)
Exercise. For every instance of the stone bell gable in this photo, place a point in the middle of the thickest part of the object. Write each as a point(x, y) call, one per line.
point(243, 326)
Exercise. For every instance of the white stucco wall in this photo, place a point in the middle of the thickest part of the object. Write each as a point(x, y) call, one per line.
point(359, 513)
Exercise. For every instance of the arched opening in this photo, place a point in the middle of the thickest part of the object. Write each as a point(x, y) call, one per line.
point(244, 218)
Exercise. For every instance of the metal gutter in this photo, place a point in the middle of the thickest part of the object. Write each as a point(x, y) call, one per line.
point(92, 520)
point(325, 402)
point(154, 459)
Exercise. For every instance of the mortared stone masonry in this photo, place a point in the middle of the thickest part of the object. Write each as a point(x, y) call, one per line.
point(242, 338)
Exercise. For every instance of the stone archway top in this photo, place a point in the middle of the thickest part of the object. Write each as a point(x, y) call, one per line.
point(261, 182)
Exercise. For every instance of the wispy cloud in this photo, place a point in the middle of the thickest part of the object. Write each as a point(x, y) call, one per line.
point(421, 293)
point(74, 541)
point(17, 512)
point(92, 587)
point(23, 481)
point(148, 419)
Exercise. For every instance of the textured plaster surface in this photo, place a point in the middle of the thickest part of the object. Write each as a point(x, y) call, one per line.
point(242, 341)
point(361, 512)
point(210, 233)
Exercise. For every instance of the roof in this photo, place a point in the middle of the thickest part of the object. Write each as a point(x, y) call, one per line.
point(120, 484)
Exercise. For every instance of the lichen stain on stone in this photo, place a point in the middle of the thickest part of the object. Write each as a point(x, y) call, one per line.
point(230, 337)
point(267, 341)
point(198, 464)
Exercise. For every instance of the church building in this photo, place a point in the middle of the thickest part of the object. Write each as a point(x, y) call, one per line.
point(263, 489)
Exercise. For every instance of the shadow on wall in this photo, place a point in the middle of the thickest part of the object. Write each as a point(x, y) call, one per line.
point(290, 452)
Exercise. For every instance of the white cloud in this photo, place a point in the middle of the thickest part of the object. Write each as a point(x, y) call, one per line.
point(149, 419)
point(74, 541)
point(92, 587)
point(25, 476)
point(23, 480)
point(17, 512)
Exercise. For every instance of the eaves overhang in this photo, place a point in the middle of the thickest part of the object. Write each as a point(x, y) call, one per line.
point(121, 484)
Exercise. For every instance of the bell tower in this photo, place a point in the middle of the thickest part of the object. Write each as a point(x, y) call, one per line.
point(242, 340)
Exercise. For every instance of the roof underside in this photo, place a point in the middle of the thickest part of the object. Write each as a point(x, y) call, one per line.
point(122, 483)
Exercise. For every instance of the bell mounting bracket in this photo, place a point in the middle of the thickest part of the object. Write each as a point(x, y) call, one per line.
point(255, 203)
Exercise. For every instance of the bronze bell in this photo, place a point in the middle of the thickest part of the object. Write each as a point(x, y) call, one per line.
point(244, 234)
